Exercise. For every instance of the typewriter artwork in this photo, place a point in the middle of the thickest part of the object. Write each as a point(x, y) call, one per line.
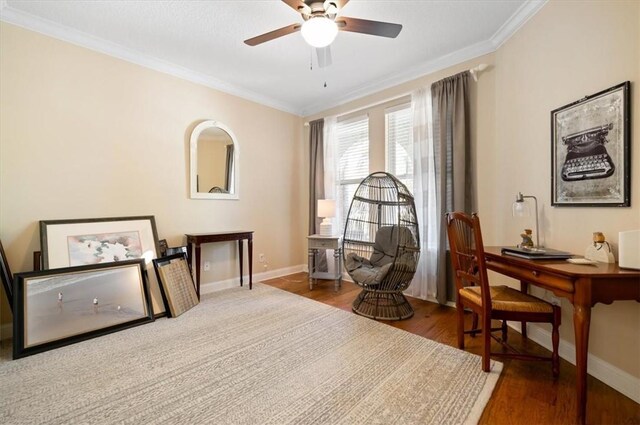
point(587, 156)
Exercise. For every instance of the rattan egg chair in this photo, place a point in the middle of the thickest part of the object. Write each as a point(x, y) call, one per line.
point(381, 246)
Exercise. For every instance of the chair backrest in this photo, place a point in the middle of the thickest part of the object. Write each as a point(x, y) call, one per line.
point(467, 253)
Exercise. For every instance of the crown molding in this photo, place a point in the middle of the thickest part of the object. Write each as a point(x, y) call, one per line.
point(52, 29)
point(43, 26)
point(426, 68)
point(517, 20)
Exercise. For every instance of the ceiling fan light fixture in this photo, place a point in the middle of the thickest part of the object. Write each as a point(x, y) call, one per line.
point(319, 31)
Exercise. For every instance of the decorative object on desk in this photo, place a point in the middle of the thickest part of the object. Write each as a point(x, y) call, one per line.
point(536, 253)
point(326, 210)
point(527, 242)
point(590, 139)
point(599, 250)
point(381, 246)
point(629, 249)
point(62, 306)
point(176, 283)
point(521, 209)
point(79, 242)
point(7, 277)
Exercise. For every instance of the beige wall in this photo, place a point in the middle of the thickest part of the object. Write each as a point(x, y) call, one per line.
point(566, 51)
point(86, 135)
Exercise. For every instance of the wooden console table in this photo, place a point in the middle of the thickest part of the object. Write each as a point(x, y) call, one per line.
point(196, 239)
point(584, 286)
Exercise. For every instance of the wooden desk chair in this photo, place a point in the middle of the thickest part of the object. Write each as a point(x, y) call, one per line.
point(491, 302)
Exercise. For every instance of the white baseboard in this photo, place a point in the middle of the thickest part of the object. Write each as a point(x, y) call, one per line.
point(614, 377)
point(208, 287)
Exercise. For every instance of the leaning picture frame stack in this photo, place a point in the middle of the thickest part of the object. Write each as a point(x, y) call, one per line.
point(58, 307)
point(76, 242)
point(590, 150)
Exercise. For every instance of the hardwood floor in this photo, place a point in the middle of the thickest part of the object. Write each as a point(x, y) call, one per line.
point(526, 392)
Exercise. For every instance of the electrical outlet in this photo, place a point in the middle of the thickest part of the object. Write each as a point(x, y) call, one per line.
point(207, 266)
point(261, 258)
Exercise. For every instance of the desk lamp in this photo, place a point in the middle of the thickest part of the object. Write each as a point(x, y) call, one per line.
point(521, 209)
point(326, 210)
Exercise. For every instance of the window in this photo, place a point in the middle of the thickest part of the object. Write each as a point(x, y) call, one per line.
point(399, 143)
point(353, 160)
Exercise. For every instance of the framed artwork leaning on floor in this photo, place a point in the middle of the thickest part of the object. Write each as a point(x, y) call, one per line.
point(58, 307)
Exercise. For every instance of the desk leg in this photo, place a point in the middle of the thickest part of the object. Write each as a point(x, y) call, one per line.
point(524, 288)
point(240, 249)
point(197, 265)
point(250, 248)
point(581, 325)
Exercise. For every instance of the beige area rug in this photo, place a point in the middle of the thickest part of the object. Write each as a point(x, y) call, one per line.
point(249, 357)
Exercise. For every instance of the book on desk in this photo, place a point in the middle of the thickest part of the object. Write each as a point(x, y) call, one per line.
point(536, 253)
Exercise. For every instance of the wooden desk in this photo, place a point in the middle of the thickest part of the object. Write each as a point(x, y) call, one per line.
point(199, 238)
point(582, 285)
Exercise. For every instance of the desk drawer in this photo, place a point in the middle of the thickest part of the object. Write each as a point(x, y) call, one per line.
point(542, 279)
point(323, 244)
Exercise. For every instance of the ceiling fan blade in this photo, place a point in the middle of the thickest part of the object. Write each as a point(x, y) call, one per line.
point(383, 29)
point(298, 6)
point(324, 56)
point(290, 29)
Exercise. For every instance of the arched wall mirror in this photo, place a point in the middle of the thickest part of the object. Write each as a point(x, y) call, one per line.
point(214, 158)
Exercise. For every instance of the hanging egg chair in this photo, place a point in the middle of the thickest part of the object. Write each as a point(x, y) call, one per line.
point(381, 246)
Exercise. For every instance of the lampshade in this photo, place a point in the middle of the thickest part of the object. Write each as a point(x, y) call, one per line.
point(319, 31)
point(326, 208)
point(520, 208)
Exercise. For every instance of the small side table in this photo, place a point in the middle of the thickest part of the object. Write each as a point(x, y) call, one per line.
point(317, 243)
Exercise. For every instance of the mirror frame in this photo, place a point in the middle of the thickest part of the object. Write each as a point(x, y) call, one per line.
point(193, 162)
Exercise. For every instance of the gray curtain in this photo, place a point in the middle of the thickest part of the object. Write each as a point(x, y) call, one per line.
point(316, 183)
point(452, 152)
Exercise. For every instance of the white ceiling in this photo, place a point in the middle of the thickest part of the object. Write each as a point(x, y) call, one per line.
point(202, 41)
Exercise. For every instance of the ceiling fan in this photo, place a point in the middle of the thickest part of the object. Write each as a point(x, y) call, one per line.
point(321, 25)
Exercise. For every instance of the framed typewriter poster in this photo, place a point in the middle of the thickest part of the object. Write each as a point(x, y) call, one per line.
point(590, 162)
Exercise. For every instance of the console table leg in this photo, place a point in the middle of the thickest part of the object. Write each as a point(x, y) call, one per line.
point(250, 248)
point(240, 253)
point(197, 247)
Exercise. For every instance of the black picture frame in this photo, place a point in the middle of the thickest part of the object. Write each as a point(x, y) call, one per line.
point(177, 286)
point(56, 244)
point(590, 150)
point(43, 321)
point(6, 276)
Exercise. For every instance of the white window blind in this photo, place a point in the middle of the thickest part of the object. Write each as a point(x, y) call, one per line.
point(399, 143)
point(353, 160)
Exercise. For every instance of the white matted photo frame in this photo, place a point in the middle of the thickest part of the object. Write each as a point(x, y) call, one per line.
point(176, 283)
point(590, 157)
point(77, 242)
point(58, 307)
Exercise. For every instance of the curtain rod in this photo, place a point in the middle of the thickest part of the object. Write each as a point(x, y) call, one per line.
point(473, 71)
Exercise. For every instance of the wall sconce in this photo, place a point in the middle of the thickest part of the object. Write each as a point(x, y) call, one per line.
point(327, 210)
point(521, 209)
